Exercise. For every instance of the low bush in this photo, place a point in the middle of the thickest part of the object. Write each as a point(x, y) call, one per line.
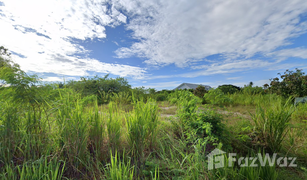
point(217, 97)
point(161, 97)
point(272, 124)
point(229, 89)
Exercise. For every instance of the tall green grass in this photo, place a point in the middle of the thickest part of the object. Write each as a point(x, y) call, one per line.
point(73, 132)
point(142, 130)
point(71, 137)
point(114, 124)
point(119, 168)
point(97, 133)
point(273, 123)
point(41, 169)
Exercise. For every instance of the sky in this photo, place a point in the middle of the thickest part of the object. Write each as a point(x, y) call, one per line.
point(157, 43)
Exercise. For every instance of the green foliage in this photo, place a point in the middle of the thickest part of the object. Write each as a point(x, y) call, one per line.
point(161, 97)
point(142, 130)
point(88, 100)
point(249, 90)
point(243, 98)
point(272, 124)
point(178, 95)
point(99, 86)
point(229, 89)
point(121, 98)
point(118, 169)
point(216, 96)
point(22, 87)
point(114, 127)
point(97, 133)
point(266, 172)
point(300, 114)
point(41, 169)
point(291, 83)
point(205, 127)
point(200, 91)
point(53, 132)
point(215, 120)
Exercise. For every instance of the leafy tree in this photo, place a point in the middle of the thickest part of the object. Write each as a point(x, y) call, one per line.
point(291, 83)
point(151, 90)
point(252, 90)
point(200, 91)
point(98, 86)
point(21, 87)
point(228, 88)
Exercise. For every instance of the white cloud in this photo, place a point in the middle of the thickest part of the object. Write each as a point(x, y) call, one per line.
point(293, 52)
point(233, 78)
point(52, 79)
point(42, 32)
point(181, 32)
point(184, 31)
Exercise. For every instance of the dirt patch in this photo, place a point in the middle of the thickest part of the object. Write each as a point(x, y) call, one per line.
point(233, 113)
point(167, 115)
point(168, 107)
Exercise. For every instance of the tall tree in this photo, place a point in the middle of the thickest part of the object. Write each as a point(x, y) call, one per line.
point(291, 83)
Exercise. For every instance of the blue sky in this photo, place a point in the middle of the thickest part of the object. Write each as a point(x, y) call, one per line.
point(158, 44)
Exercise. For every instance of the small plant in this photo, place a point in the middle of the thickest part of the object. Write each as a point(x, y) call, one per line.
point(118, 169)
point(39, 169)
point(121, 98)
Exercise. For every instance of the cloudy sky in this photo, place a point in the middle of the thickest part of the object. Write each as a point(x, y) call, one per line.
point(158, 44)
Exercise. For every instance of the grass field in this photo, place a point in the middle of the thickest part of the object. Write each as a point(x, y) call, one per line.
point(65, 138)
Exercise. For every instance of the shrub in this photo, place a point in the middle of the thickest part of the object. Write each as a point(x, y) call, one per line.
point(249, 90)
point(216, 96)
point(229, 89)
point(121, 98)
point(204, 128)
point(291, 84)
point(200, 91)
point(161, 97)
point(88, 100)
point(272, 123)
point(98, 85)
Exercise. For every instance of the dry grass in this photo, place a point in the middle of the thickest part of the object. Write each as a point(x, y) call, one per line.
point(232, 114)
point(163, 104)
point(171, 110)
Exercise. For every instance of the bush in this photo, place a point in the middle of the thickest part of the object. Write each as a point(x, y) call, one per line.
point(249, 90)
point(291, 84)
point(88, 100)
point(200, 91)
point(216, 96)
point(161, 97)
point(98, 86)
point(229, 89)
point(272, 123)
point(121, 98)
point(205, 128)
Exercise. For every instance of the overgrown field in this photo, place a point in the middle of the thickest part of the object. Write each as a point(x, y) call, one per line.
point(101, 128)
point(71, 137)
